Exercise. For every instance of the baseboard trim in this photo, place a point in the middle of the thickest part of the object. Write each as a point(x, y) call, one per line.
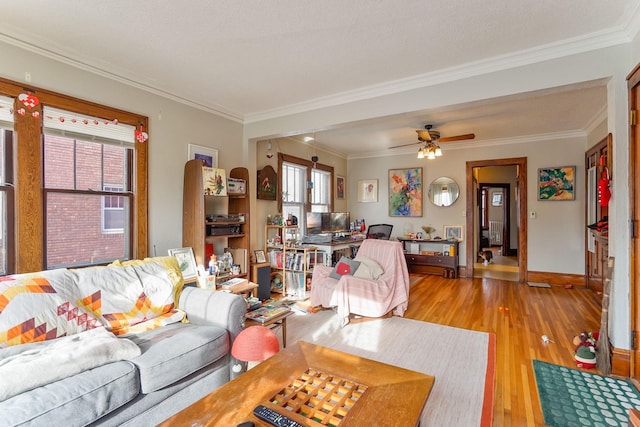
point(621, 362)
point(560, 279)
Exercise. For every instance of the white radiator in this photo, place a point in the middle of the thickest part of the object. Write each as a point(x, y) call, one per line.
point(495, 232)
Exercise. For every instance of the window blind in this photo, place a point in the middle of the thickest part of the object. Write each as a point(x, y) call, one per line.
point(73, 125)
point(6, 112)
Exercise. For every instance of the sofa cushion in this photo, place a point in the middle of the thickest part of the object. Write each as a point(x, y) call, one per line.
point(175, 351)
point(76, 400)
point(41, 306)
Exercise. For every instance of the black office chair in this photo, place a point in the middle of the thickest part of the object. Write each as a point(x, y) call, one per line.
point(379, 231)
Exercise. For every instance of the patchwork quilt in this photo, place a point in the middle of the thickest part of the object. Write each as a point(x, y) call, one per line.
point(123, 298)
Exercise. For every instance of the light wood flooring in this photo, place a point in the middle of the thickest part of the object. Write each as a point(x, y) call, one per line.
point(519, 315)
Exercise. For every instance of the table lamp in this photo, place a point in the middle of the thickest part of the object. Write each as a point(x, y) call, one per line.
point(254, 344)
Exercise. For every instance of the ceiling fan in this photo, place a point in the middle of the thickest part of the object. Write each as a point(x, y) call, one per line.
point(431, 136)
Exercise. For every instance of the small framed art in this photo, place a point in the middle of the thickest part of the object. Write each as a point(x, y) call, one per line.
point(368, 191)
point(340, 187)
point(260, 256)
point(187, 263)
point(453, 232)
point(208, 155)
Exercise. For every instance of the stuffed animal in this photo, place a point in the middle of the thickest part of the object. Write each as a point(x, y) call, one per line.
point(585, 353)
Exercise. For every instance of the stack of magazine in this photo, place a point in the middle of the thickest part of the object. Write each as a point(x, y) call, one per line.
point(266, 313)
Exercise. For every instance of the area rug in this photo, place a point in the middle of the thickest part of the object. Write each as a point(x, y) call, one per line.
point(571, 397)
point(462, 361)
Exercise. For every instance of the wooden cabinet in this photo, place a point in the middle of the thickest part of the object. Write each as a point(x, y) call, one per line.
point(293, 263)
point(210, 223)
point(431, 256)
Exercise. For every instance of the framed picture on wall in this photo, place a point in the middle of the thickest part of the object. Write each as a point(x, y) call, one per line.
point(340, 184)
point(557, 183)
point(208, 155)
point(368, 191)
point(405, 192)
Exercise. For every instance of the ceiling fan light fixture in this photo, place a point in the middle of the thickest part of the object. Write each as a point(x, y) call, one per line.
point(431, 155)
point(438, 151)
point(420, 153)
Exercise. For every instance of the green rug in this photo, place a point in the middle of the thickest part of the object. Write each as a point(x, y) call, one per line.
point(571, 397)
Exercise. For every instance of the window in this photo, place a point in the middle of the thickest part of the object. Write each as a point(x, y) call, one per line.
point(87, 190)
point(91, 154)
point(113, 210)
point(304, 188)
point(6, 187)
point(294, 178)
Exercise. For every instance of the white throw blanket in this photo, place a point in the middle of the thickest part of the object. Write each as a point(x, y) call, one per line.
point(61, 358)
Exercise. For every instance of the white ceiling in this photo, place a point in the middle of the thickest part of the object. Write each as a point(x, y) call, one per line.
point(247, 59)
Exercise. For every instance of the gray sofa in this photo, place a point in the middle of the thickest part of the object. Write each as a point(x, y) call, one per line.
point(179, 364)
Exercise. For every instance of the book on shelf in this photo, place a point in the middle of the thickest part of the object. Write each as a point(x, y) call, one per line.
point(265, 313)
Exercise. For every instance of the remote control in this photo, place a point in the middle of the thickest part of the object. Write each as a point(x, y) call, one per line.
point(274, 418)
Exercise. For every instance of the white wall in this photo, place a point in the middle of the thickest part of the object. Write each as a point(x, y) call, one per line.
point(172, 126)
point(557, 222)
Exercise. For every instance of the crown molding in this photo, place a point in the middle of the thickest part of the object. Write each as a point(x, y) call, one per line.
point(590, 42)
point(213, 109)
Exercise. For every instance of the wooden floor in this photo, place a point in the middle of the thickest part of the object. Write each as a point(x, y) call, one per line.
point(519, 315)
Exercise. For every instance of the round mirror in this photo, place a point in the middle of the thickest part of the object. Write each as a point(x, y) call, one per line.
point(443, 191)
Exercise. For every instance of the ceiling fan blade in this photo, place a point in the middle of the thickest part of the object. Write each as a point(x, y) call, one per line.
point(458, 137)
point(406, 145)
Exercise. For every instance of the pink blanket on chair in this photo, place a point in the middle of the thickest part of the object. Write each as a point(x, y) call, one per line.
point(366, 297)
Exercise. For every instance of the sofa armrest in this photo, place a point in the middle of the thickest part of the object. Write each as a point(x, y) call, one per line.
point(223, 309)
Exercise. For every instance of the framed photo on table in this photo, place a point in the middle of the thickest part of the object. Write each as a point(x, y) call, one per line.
point(260, 256)
point(453, 232)
point(187, 263)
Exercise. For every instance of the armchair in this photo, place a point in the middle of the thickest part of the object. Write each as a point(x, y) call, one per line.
point(366, 296)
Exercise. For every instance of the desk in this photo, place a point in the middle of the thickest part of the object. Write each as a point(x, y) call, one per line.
point(392, 396)
point(336, 249)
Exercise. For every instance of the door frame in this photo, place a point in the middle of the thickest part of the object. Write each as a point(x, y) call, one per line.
point(633, 89)
point(471, 212)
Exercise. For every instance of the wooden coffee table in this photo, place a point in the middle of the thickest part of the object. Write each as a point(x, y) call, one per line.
point(315, 385)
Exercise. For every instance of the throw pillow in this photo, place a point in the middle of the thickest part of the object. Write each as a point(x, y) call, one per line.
point(169, 262)
point(369, 268)
point(123, 297)
point(346, 266)
point(41, 306)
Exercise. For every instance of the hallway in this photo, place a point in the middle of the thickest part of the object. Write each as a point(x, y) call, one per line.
point(500, 267)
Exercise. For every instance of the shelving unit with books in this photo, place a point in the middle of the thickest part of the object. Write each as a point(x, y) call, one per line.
point(293, 263)
point(216, 224)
